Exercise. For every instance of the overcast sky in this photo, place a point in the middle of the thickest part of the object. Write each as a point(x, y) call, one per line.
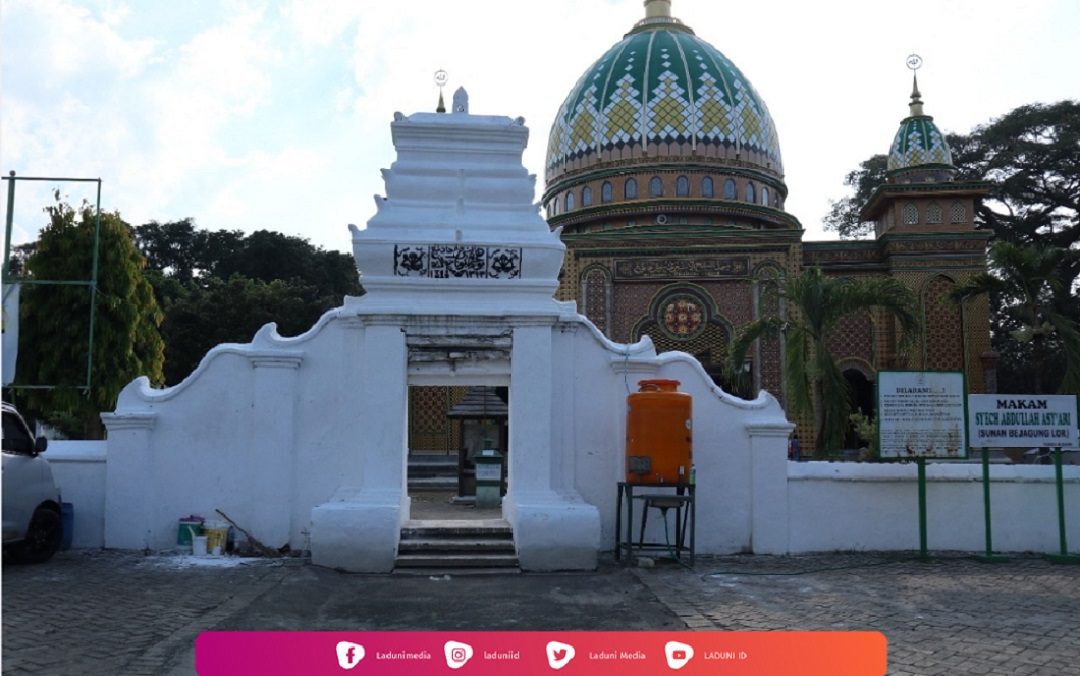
point(275, 115)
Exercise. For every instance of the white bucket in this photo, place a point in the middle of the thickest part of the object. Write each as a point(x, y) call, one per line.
point(198, 545)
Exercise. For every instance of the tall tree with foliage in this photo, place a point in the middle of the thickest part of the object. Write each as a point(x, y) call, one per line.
point(843, 216)
point(1032, 158)
point(816, 305)
point(55, 326)
point(1025, 280)
point(222, 286)
point(233, 310)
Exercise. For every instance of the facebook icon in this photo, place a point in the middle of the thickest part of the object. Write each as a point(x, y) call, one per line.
point(349, 654)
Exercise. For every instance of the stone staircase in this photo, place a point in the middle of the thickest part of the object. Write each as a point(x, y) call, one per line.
point(430, 473)
point(457, 547)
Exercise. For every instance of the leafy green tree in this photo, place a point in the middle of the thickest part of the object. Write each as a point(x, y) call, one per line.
point(20, 253)
point(1025, 281)
point(816, 306)
point(182, 252)
point(1032, 158)
point(54, 327)
point(222, 286)
point(843, 216)
point(269, 256)
point(233, 310)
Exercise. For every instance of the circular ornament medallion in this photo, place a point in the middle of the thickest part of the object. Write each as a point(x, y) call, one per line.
point(683, 317)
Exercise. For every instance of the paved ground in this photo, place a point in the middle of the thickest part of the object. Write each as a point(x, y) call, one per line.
point(94, 612)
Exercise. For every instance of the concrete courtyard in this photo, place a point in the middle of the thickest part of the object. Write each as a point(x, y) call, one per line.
point(95, 612)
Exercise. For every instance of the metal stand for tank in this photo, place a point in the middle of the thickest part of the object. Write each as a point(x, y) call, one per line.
point(682, 500)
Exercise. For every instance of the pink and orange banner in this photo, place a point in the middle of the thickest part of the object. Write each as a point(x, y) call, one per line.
point(528, 653)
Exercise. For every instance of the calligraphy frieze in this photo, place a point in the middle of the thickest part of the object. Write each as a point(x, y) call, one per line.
point(682, 268)
point(457, 261)
point(938, 244)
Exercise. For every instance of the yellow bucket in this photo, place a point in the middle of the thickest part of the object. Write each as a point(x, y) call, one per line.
point(217, 533)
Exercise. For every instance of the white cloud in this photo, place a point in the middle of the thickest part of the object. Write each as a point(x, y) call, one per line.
point(222, 76)
point(73, 41)
point(224, 113)
point(320, 22)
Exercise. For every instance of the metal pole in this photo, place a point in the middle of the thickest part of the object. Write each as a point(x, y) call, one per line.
point(1063, 556)
point(921, 462)
point(93, 290)
point(10, 222)
point(989, 556)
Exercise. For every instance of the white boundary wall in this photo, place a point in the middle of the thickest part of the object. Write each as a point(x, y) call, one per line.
point(78, 467)
point(304, 440)
point(870, 506)
point(268, 431)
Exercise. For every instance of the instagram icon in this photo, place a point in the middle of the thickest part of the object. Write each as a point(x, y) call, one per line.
point(457, 654)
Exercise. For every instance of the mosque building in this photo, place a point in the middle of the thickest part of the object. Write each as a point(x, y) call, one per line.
point(665, 175)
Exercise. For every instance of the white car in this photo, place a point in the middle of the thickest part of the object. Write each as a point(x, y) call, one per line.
point(33, 526)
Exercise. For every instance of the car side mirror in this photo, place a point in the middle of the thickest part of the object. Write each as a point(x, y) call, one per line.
point(40, 444)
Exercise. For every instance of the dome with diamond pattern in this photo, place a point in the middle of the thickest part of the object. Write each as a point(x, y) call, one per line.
point(919, 145)
point(662, 92)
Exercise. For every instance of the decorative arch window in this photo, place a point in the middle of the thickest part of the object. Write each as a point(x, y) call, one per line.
point(596, 297)
point(729, 189)
point(555, 207)
point(958, 213)
point(569, 201)
point(765, 195)
point(656, 187)
point(910, 214)
point(682, 187)
point(933, 213)
point(605, 192)
point(586, 196)
point(707, 187)
point(630, 189)
point(750, 193)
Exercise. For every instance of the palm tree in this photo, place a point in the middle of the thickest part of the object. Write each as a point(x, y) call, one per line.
point(1026, 280)
point(816, 305)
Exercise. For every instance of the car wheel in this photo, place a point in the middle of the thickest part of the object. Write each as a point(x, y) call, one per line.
point(42, 537)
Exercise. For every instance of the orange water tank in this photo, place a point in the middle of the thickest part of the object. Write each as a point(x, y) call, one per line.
point(658, 434)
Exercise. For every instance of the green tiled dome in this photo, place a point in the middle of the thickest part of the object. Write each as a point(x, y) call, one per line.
point(918, 144)
point(667, 92)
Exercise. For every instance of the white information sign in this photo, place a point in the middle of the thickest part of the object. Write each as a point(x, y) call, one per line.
point(488, 472)
point(921, 414)
point(1023, 420)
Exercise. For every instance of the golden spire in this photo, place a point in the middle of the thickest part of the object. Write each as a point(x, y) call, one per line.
point(440, 79)
point(914, 62)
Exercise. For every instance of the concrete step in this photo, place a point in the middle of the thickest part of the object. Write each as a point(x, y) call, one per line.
point(457, 527)
point(456, 572)
point(421, 560)
point(434, 463)
point(456, 544)
point(433, 483)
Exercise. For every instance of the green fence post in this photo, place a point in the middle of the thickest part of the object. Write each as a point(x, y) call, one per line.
point(989, 556)
point(1063, 556)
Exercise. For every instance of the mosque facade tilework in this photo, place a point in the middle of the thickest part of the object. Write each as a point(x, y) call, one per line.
point(665, 91)
point(681, 258)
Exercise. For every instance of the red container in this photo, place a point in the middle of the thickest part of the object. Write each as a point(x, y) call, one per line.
point(659, 440)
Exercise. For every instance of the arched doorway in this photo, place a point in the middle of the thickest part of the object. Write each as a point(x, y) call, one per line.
point(861, 390)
